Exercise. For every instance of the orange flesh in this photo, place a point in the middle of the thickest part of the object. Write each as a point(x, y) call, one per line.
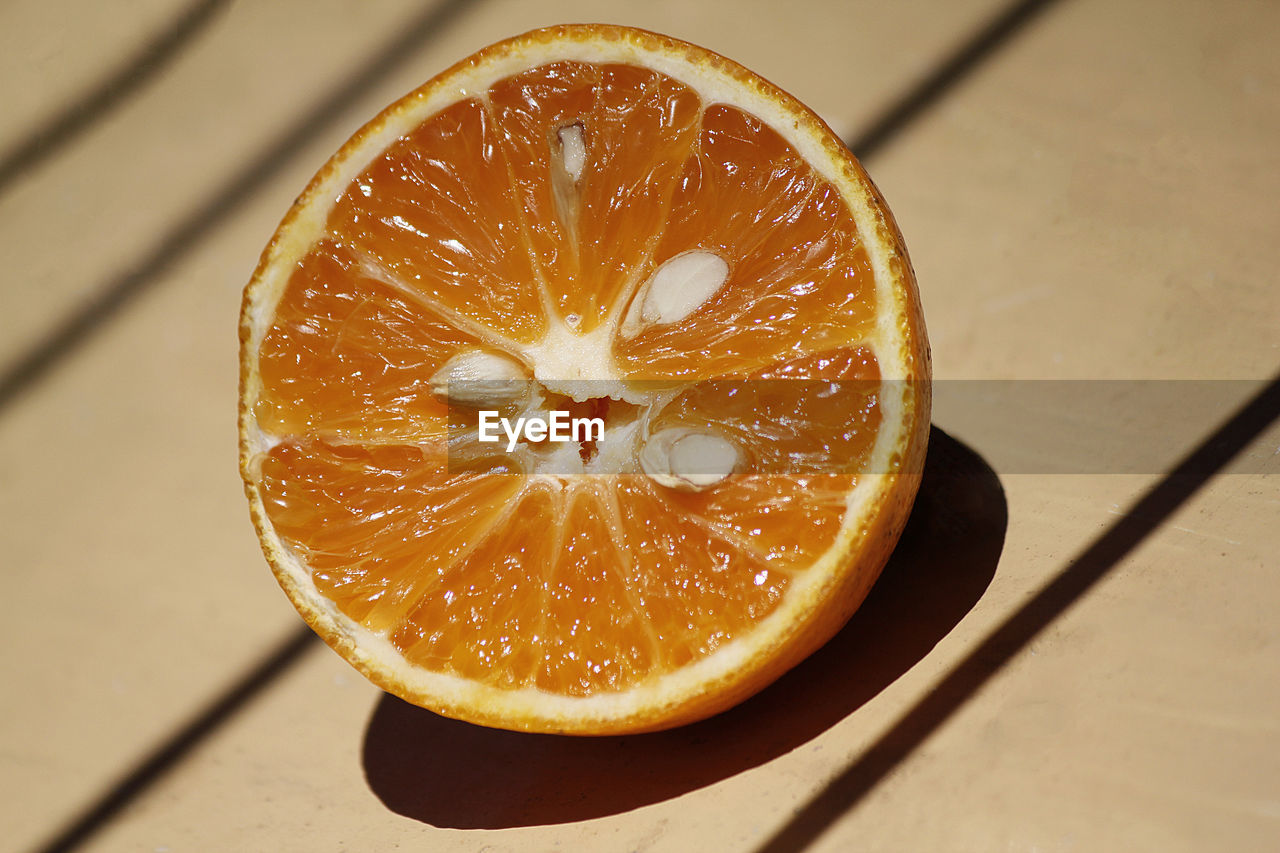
point(467, 232)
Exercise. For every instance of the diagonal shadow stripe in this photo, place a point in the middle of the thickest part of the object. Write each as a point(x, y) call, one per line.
point(49, 138)
point(120, 290)
point(162, 759)
point(1014, 634)
point(949, 73)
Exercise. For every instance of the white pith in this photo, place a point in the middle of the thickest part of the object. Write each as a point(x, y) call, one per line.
point(560, 361)
point(573, 151)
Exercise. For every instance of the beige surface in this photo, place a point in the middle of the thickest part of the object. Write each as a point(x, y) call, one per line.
point(1097, 200)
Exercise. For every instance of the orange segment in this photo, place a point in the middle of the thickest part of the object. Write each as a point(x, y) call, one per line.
point(547, 226)
point(638, 127)
point(336, 320)
point(594, 636)
point(357, 515)
point(816, 414)
point(484, 622)
point(411, 215)
point(708, 589)
point(799, 281)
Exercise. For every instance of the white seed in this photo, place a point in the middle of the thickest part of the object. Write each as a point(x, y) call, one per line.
point(681, 285)
point(573, 150)
point(480, 378)
point(683, 459)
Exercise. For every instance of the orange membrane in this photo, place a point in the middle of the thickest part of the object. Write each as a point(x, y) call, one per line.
point(469, 232)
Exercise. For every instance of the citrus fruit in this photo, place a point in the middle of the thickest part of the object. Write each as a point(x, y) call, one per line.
point(605, 223)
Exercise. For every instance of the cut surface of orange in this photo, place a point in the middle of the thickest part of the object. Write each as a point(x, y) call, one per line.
point(608, 222)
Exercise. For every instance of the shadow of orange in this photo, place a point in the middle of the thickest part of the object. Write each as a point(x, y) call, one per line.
point(452, 774)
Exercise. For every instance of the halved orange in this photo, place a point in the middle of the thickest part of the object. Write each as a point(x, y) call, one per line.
point(606, 220)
